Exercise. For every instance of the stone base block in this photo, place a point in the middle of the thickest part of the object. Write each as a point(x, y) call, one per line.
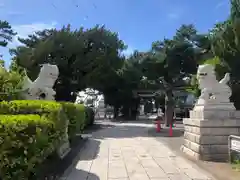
point(208, 139)
point(208, 114)
point(204, 157)
point(213, 106)
point(205, 139)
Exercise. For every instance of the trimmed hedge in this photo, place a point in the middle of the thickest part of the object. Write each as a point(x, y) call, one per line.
point(81, 116)
point(76, 116)
point(29, 107)
point(31, 130)
point(49, 109)
point(89, 116)
point(25, 142)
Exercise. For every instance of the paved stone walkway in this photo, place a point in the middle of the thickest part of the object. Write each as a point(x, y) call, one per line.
point(127, 153)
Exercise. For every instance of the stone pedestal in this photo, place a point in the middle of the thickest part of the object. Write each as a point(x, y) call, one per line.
point(207, 131)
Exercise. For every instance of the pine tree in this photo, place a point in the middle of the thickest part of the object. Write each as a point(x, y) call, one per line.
point(235, 9)
point(6, 33)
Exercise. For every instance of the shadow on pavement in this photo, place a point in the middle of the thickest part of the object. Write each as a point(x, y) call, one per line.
point(89, 151)
point(78, 174)
point(96, 127)
point(121, 132)
point(129, 130)
point(54, 167)
point(150, 121)
point(173, 142)
point(165, 132)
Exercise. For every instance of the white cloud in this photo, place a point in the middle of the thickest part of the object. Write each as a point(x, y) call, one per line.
point(220, 4)
point(173, 15)
point(14, 13)
point(23, 30)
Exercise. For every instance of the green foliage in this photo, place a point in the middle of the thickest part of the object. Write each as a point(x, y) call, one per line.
point(31, 130)
point(194, 87)
point(177, 57)
point(74, 113)
point(26, 140)
point(225, 41)
point(235, 9)
point(225, 38)
point(81, 115)
point(85, 57)
point(29, 107)
point(213, 61)
point(76, 116)
point(6, 33)
point(14, 67)
point(10, 83)
point(91, 58)
point(89, 116)
point(48, 109)
point(236, 165)
point(235, 160)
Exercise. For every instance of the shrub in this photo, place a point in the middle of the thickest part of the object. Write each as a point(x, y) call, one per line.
point(74, 112)
point(30, 130)
point(29, 107)
point(76, 116)
point(89, 116)
point(42, 122)
point(81, 118)
point(25, 141)
point(10, 82)
point(50, 109)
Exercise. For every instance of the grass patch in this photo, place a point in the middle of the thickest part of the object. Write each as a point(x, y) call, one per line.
point(236, 165)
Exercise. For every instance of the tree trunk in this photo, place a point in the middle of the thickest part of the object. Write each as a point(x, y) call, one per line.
point(169, 107)
point(130, 112)
point(115, 112)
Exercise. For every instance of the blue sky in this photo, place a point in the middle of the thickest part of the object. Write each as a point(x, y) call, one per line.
point(138, 22)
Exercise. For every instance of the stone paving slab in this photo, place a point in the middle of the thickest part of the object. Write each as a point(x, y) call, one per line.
point(131, 158)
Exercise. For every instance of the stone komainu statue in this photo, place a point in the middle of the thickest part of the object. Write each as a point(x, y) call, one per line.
point(42, 87)
point(212, 91)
